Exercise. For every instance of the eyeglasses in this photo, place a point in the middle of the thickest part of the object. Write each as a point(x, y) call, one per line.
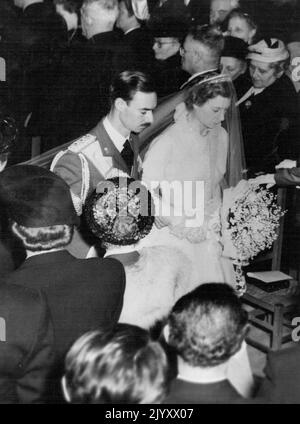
point(162, 43)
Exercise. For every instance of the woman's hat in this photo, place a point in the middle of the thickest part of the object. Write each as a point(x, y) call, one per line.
point(168, 26)
point(120, 212)
point(235, 47)
point(268, 50)
point(35, 197)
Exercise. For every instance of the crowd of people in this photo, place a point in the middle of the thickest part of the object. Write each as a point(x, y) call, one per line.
point(114, 288)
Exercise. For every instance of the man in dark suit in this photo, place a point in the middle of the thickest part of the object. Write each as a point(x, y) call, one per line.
point(26, 345)
point(206, 328)
point(136, 37)
point(200, 53)
point(168, 33)
point(38, 33)
point(282, 377)
point(82, 294)
point(89, 71)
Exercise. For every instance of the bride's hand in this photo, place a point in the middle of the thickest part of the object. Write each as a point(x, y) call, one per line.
point(264, 179)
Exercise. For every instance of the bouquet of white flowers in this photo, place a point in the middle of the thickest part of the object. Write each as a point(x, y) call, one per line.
point(250, 218)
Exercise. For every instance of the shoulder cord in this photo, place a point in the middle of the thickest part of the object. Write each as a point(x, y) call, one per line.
point(78, 201)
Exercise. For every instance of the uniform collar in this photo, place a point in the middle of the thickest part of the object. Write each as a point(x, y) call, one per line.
point(117, 138)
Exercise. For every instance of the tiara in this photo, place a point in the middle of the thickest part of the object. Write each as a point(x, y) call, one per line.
point(219, 78)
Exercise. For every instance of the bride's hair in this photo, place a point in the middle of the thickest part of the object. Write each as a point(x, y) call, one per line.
point(121, 212)
point(212, 86)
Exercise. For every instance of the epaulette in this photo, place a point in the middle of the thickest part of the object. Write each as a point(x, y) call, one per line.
point(82, 143)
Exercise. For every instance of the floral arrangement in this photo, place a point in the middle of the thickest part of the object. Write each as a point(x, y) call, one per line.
point(116, 213)
point(250, 219)
point(253, 221)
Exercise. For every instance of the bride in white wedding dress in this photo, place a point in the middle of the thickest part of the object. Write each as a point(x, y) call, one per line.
point(196, 148)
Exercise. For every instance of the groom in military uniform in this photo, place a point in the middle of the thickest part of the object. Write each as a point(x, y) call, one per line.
point(112, 144)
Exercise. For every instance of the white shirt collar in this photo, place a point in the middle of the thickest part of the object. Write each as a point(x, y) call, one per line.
point(249, 93)
point(205, 375)
point(131, 29)
point(237, 370)
point(117, 138)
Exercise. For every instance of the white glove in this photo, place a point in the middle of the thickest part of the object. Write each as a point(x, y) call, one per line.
point(264, 179)
point(287, 163)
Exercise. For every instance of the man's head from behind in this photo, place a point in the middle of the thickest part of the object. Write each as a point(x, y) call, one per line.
point(120, 365)
point(201, 49)
point(133, 99)
point(207, 326)
point(98, 16)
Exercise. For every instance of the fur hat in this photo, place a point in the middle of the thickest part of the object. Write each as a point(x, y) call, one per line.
point(235, 47)
point(268, 50)
point(35, 197)
point(120, 212)
point(168, 26)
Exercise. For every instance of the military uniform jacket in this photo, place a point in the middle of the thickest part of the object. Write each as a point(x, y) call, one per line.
point(89, 160)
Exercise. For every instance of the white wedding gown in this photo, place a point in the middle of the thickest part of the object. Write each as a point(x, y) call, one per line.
point(182, 154)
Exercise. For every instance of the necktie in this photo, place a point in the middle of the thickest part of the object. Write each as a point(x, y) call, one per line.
point(127, 154)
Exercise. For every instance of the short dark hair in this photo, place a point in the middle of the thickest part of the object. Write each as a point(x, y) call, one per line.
point(210, 36)
point(204, 91)
point(119, 365)
point(127, 83)
point(128, 5)
point(207, 326)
